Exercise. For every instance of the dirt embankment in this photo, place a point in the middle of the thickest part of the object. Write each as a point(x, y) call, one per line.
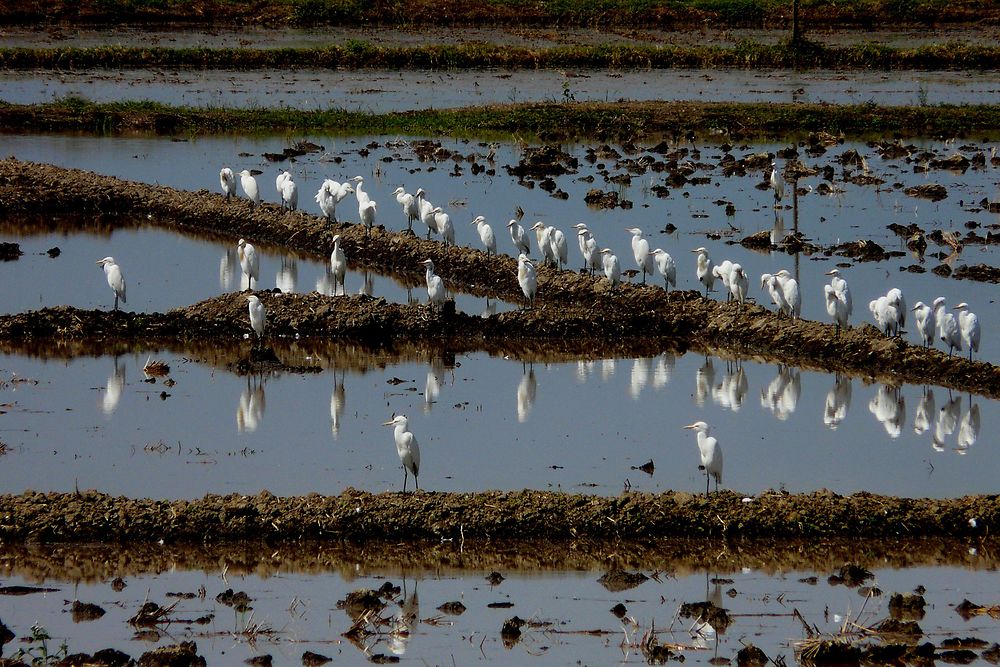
point(573, 309)
point(356, 515)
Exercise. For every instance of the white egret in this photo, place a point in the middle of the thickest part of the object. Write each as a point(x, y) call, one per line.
point(527, 279)
point(612, 270)
point(723, 271)
point(288, 191)
point(442, 221)
point(947, 325)
point(411, 209)
point(366, 212)
point(835, 308)
point(773, 286)
point(257, 316)
point(790, 290)
point(406, 447)
point(640, 251)
point(896, 300)
point(842, 293)
point(777, 184)
point(116, 280)
point(923, 315)
point(426, 212)
point(249, 185)
point(591, 251)
point(228, 180)
point(249, 262)
point(704, 271)
point(884, 314)
point(435, 286)
point(560, 251)
point(711, 454)
point(519, 237)
point(968, 327)
point(359, 191)
point(543, 235)
point(667, 268)
point(582, 236)
point(485, 235)
point(330, 194)
point(338, 265)
point(739, 284)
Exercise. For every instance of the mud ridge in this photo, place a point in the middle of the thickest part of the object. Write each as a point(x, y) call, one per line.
point(574, 308)
point(356, 515)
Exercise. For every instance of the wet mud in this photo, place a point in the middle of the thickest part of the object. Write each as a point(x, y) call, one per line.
point(356, 516)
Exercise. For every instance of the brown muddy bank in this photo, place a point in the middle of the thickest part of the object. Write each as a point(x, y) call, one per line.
point(356, 516)
point(38, 563)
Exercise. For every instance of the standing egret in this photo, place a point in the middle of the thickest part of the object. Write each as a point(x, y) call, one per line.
point(711, 454)
point(330, 194)
point(968, 326)
point(790, 289)
point(359, 190)
point(519, 237)
point(773, 286)
point(543, 235)
point(249, 185)
point(777, 184)
point(249, 262)
point(527, 279)
point(926, 323)
point(442, 221)
point(366, 212)
point(228, 180)
point(835, 308)
point(591, 251)
point(739, 284)
point(288, 191)
point(841, 293)
point(723, 271)
point(612, 270)
point(411, 208)
point(338, 265)
point(485, 235)
point(257, 316)
point(640, 251)
point(426, 212)
point(582, 236)
point(406, 447)
point(704, 270)
point(116, 281)
point(895, 298)
point(560, 251)
point(435, 286)
point(947, 326)
point(667, 268)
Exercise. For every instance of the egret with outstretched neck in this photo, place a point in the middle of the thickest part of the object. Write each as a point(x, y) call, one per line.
point(116, 280)
point(710, 452)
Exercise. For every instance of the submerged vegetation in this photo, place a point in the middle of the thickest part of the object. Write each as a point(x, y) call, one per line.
point(362, 54)
point(557, 121)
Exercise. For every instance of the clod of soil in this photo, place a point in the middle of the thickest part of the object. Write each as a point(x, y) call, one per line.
point(6, 635)
point(932, 191)
point(239, 601)
point(958, 657)
point(992, 654)
point(9, 251)
point(108, 657)
point(184, 654)
point(909, 629)
point(25, 590)
point(980, 272)
point(85, 611)
point(906, 606)
point(707, 612)
point(510, 632)
point(360, 602)
point(829, 652)
point(494, 578)
point(850, 574)
point(619, 610)
point(310, 659)
point(118, 585)
point(964, 642)
point(619, 580)
point(884, 654)
point(751, 656)
point(259, 661)
point(151, 614)
point(454, 608)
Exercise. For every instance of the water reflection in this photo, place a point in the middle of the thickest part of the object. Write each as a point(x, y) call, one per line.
point(889, 407)
point(733, 389)
point(924, 416)
point(968, 428)
point(664, 369)
point(337, 401)
point(367, 284)
point(947, 421)
point(113, 393)
point(781, 396)
point(704, 381)
point(405, 622)
point(838, 402)
point(639, 377)
point(250, 411)
point(288, 274)
point(228, 265)
point(526, 390)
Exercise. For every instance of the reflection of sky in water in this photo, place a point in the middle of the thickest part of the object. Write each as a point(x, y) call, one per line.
point(295, 609)
point(485, 424)
point(859, 212)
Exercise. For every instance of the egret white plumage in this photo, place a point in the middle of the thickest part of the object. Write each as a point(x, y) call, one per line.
point(968, 428)
point(896, 300)
point(884, 314)
point(703, 269)
point(411, 209)
point(543, 234)
point(426, 211)
point(640, 251)
point(838, 401)
point(835, 308)
point(329, 195)
point(442, 222)
point(710, 452)
point(485, 235)
point(406, 447)
point(257, 316)
point(790, 290)
point(116, 280)
point(924, 416)
point(435, 286)
point(666, 266)
point(338, 265)
point(359, 190)
point(581, 241)
point(968, 327)
point(288, 191)
point(560, 251)
point(926, 323)
point(527, 279)
point(841, 312)
point(592, 258)
point(947, 325)
point(366, 212)
point(739, 284)
point(723, 271)
point(249, 262)
point(777, 184)
point(519, 237)
point(249, 185)
point(889, 407)
point(228, 181)
point(772, 284)
point(612, 270)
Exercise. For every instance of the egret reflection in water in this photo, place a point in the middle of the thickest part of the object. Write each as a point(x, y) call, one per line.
point(838, 402)
point(923, 419)
point(288, 274)
point(732, 391)
point(968, 428)
point(337, 402)
point(367, 285)
point(526, 390)
point(113, 392)
point(704, 382)
point(663, 370)
point(250, 411)
point(889, 407)
point(946, 422)
point(781, 396)
point(639, 377)
point(229, 264)
point(405, 621)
